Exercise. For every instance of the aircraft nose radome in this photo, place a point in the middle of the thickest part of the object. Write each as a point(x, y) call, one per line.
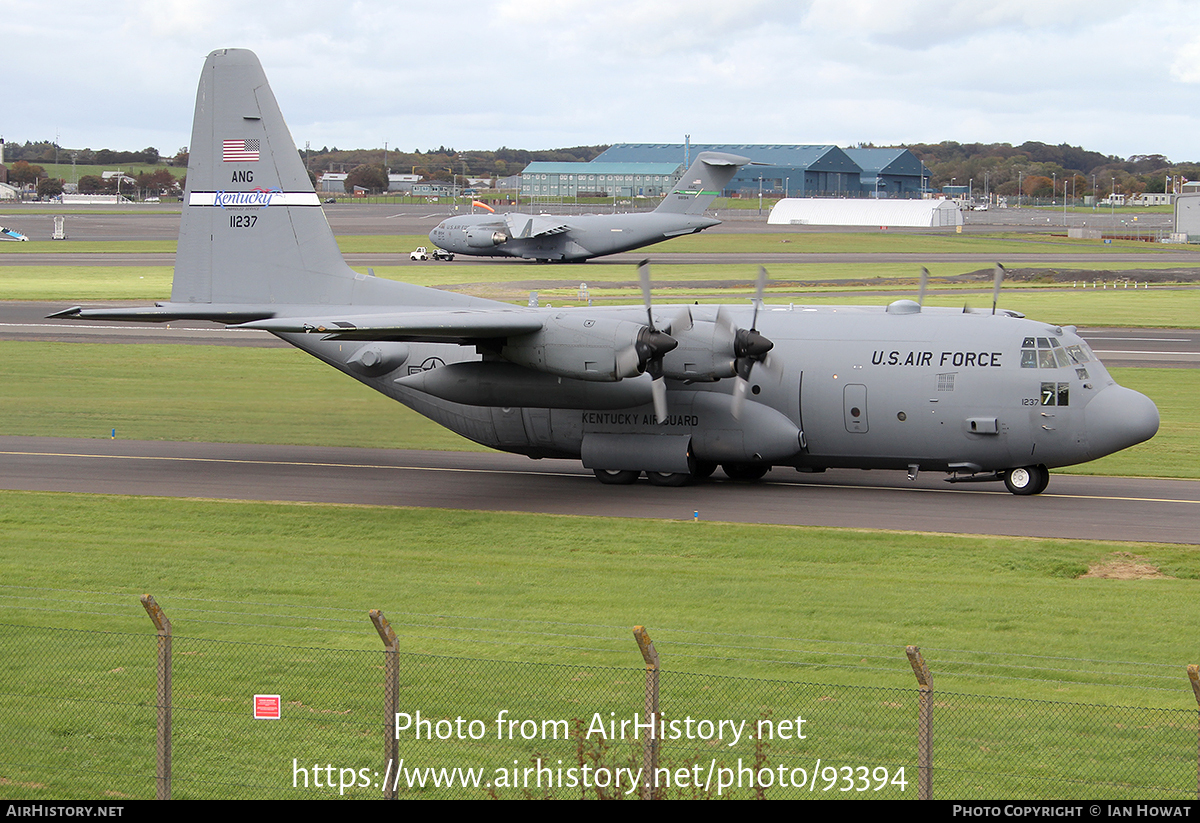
point(1118, 418)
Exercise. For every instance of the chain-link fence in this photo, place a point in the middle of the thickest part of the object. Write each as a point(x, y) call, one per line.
point(80, 714)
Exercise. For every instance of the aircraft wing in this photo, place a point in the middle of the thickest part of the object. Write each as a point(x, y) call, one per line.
point(527, 225)
point(422, 327)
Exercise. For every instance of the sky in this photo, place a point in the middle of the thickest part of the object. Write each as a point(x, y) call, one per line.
point(1121, 78)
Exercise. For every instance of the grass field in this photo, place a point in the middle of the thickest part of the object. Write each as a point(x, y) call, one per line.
point(257, 606)
point(785, 602)
point(273, 598)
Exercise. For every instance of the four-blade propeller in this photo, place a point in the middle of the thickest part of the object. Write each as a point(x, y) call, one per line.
point(652, 345)
point(749, 346)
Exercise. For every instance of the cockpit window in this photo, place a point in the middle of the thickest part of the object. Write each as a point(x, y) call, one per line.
point(1048, 353)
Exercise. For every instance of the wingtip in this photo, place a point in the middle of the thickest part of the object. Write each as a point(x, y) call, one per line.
point(74, 311)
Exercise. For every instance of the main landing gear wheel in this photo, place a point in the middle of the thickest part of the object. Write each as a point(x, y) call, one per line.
point(744, 471)
point(615, 477)
point(669, 478)
point(1027, 479)
point(704, 469)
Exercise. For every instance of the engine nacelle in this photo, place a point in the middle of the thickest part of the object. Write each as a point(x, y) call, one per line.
point(483, 238)
point(705, 353)
point(582, 347)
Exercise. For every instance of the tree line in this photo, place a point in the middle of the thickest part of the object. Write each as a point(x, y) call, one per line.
point(1043, 170)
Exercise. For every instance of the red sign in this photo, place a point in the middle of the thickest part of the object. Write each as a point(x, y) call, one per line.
point(266, 706)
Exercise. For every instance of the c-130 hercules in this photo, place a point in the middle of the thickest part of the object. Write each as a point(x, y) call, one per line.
point(669, 391)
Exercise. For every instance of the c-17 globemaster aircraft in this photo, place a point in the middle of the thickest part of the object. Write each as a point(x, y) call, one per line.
point(671, 392)
point(547, 238)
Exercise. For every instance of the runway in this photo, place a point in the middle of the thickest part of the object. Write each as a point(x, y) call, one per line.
point(1091, 508)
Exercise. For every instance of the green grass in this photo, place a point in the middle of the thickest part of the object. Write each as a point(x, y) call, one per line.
point(217, 567)
point(90, 247)
point(65, 171)
point(76, 284)
point(202, 393)
point(263, 596)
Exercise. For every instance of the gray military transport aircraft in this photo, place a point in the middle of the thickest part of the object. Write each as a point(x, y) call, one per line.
point(546, 238)
point(669, 391)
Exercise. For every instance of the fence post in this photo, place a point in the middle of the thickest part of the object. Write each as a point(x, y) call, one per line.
point(650, 747)
point(924, 723)
point(163, 734)
point(1194, 676)
point(391, 700)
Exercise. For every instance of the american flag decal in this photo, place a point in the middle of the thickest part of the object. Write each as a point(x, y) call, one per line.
point(239, 151)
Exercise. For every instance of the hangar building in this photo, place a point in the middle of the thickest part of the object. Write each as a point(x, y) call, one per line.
point(796, 170)
point(890, 172)
point(599, 179)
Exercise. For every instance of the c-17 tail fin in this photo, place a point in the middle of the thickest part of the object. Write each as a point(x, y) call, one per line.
point(709, 173)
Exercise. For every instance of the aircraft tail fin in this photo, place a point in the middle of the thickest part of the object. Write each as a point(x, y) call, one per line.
point(253, 230)
point(702, 183)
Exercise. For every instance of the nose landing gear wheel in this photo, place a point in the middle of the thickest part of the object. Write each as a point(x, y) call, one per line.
point(614, 477)
point(1027, 480)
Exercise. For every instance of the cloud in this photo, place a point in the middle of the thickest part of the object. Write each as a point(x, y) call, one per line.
point(542, 73)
